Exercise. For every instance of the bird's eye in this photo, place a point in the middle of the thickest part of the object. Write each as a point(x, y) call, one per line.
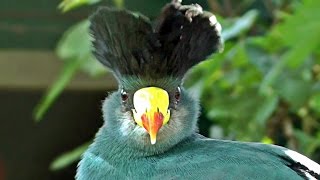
point(177, 94)
point(124, 95)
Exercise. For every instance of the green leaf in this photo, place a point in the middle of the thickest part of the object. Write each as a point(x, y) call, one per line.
point(240, 26)
point(309, 144)
point(267, 140)
point(299, 33)
point(75, 49)
point(293, 90)
point(67, 5)
point(314, 102)
point(271, 76)
point(76, 44)
point(52, 94)
point(266, 109)
point(118, 3)
point(68, 158)
point(300, 25)
point(92, 67)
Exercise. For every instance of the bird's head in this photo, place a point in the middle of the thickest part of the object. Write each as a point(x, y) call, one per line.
point(151, 109)
point(151, 115)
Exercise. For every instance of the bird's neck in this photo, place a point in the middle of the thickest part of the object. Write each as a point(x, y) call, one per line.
point(118, 139)
point(111, 148)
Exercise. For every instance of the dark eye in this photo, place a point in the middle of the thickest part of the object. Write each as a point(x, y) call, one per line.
point(177, 94)
point(124, 95)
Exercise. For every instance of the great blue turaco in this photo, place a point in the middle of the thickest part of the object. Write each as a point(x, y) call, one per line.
point(150, 123)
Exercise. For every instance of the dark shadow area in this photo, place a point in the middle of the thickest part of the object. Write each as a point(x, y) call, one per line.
point(27, 148)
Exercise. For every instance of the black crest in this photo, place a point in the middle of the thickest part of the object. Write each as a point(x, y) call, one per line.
point(127, 43)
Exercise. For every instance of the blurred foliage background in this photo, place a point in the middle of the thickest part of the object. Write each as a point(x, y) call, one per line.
point(264, 86)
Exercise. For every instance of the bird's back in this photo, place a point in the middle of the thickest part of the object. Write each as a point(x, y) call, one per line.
point(202, 158)
point(215, 159)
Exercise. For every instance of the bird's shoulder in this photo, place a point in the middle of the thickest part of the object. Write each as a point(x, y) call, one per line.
point(94, 167)
point(204, 157)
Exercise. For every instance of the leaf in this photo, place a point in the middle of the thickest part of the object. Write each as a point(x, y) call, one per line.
point(259, 56)
point(270, 77)
point(293, 90)
point(52, 94)
point(267, 140)
point(118, 3)
point(300, 25)
point(67, 5)
point(240, 26)
point(76, 44)
point(68, 158)
point(265, 110)
point(299, 33)
point(314, 102)
point(307, 143)
point(93, 67)
point(75, 49)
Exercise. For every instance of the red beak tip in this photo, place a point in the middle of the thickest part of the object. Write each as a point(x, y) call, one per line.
point(152, 124)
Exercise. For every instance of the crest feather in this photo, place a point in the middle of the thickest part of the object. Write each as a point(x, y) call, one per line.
point(126, 42)
point(118, 36)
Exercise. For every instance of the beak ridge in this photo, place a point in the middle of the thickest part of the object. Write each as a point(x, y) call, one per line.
point(151, 110)
point(152, 123)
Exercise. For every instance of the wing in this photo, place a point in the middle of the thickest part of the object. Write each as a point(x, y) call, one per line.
point(301, 164)
point(213, 159)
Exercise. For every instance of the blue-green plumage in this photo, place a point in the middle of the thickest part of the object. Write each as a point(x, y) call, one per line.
point(179, 153)
point(195, 158)
point(142, 56)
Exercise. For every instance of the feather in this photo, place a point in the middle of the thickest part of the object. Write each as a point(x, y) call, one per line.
point(186, 41)
point(120, 40)
point(126, 42)
point(303, 165)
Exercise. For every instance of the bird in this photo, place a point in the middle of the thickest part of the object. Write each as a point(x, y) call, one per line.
point(150, 122)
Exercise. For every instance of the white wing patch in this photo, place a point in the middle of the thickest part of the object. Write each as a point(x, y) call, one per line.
point(311, 165)
point(309, 176)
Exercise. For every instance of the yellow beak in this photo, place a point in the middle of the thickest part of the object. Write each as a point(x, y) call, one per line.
point(151, 110)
